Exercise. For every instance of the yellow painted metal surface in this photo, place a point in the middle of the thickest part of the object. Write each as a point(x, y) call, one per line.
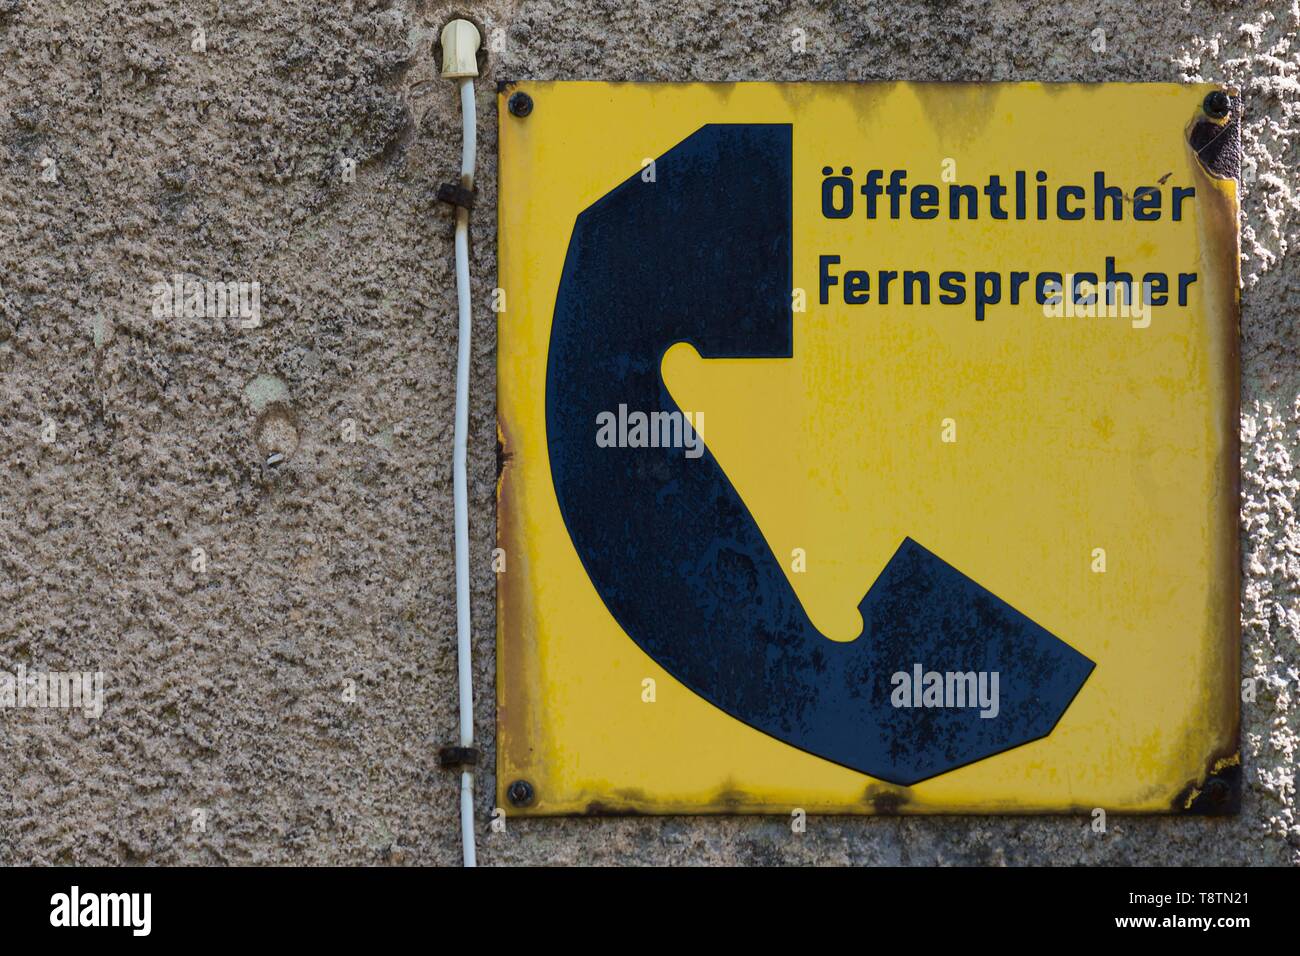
point(1072, 435)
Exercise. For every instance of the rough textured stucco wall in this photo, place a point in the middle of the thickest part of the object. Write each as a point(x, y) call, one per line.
point(225, 688)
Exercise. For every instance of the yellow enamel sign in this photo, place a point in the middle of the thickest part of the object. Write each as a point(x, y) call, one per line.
point(867, 448)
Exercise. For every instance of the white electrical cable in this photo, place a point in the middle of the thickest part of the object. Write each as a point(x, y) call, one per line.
point(465, 673)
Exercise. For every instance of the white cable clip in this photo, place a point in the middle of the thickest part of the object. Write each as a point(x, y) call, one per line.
point(460, 43)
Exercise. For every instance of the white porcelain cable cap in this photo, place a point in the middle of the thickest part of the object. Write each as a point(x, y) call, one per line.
point(460, 43)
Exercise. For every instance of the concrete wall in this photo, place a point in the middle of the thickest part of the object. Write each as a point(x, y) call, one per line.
point(225, 688)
